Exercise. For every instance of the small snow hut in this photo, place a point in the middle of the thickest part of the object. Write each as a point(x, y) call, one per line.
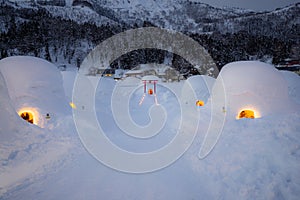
point(251, 90)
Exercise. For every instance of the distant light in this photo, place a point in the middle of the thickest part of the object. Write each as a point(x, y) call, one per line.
point(72, 105)
point(150, 91)
point(199, 103)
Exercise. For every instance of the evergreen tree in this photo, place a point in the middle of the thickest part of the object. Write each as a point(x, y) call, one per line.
point(47, 53)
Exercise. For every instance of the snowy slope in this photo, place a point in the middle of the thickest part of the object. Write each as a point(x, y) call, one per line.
point(186, 16)
point(79, 15)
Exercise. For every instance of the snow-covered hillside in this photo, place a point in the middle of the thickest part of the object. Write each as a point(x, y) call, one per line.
point(80, 15)
point(178, 15)
point(253, 158)
point(63, 32)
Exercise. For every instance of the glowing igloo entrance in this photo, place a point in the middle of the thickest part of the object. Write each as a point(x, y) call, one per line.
point(246, 114)
point(199, 103)
point(29, 114)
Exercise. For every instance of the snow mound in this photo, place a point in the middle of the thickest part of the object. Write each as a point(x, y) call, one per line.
point(150, 78)
point(35, 85)
point(202, 86)
point(252, 85)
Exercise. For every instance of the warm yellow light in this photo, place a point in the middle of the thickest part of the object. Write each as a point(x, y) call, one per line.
point(72, 105)
point(199, 103)
point(29, 114)
point(248, 113)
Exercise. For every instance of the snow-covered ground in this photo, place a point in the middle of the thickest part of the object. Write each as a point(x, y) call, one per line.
point(253, 158)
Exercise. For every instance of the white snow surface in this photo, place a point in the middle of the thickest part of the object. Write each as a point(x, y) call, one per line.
point(254, 158)
point(202, 85)
point(293, 82)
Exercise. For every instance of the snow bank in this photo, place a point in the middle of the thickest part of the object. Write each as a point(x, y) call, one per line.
point(293, 81)
point(35, 85)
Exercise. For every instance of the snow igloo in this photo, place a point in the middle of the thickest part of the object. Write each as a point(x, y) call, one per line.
point(251, 89)
point(35, 88)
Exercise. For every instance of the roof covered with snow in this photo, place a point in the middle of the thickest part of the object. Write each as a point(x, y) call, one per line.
point(150, 78)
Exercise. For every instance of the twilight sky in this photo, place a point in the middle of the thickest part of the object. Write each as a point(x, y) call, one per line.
point(257, 5)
